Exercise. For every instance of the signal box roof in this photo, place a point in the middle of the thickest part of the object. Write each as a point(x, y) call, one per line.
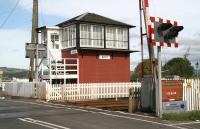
point(94, 18)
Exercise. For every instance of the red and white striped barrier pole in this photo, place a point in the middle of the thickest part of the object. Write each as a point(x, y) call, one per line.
point(157, 81)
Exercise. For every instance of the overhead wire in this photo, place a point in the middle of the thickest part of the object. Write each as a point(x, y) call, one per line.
point(10, 14)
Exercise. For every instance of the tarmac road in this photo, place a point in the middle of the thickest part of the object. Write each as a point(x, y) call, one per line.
point(33, 114)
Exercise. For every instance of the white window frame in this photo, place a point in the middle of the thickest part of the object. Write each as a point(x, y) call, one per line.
point(44, 37)
point(116, 37)
point(55, 43)
point(97, 36)
point(55, 37)
point(69, 37)
point(88, 40)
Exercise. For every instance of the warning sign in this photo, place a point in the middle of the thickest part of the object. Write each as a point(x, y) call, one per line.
point(174, 107)
point(189, 85)
point(172, 90)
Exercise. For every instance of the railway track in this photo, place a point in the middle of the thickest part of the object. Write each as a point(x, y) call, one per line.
point(110, 104)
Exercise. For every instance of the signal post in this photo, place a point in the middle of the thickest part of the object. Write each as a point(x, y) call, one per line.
point(163, 33)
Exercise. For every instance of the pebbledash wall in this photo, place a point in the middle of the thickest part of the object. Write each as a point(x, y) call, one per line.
point(92, 69)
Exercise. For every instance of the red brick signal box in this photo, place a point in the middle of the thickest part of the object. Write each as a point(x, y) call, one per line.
point(101, 46)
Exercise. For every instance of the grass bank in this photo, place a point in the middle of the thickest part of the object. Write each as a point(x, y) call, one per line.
point(187, 116)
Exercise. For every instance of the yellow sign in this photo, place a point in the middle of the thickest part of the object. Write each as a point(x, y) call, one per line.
point(189, 85)
point(1, 72)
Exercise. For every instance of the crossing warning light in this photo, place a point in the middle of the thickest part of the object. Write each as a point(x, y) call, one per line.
point(173, 32)
point(164, 32)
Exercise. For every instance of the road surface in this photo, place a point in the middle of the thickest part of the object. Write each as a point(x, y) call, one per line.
point(33, 114)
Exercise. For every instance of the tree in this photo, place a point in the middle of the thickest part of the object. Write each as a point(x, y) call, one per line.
point(136, 75)
point(178, 66)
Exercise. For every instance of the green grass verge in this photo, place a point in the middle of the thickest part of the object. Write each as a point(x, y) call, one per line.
point(194, 115)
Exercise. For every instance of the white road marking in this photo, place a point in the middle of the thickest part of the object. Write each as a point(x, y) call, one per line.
point(75, 108)
point(36, 123)
point(186, 123)
point(132, 114)
point(94, 108)
point(80, 110)
point(42, 123)
point(36, 104)
point(148, 121)
point(2, 98)
point(92, 112)
point(47, 105)
point(58, 105)
point(50, 105)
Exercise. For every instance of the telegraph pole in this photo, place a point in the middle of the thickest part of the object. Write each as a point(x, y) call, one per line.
point(34, 39)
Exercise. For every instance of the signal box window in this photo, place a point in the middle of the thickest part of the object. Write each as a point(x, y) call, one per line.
point(55, 41)
point(54, 37)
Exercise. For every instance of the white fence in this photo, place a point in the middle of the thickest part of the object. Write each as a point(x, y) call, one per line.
point(25, 89)
point(92, 91)
point(192, 94)
point(2, 86)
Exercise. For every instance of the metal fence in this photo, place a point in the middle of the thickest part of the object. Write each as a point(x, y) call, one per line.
point(25, 89)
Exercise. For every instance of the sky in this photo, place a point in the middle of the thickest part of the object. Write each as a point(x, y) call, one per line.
point(15, 27)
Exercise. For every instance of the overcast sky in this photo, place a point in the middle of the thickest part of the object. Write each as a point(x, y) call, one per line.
point(15, 31)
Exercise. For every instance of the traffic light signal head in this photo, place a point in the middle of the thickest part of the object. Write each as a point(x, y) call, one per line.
point(163, 27)
point(173, 32)
point(164, 32)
